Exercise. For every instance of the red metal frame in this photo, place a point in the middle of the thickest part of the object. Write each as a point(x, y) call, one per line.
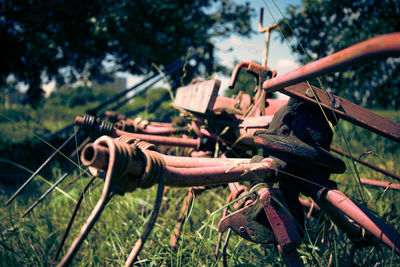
point(140, 167)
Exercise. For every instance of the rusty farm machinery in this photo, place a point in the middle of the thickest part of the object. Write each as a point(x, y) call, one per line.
point(282, 147)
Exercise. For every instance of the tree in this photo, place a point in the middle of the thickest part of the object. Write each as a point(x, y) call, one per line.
point(322, 27)
point(62, 40)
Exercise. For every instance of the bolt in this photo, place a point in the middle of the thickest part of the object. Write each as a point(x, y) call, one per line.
point(309, 93)
point(336, 103)
point(242, 229)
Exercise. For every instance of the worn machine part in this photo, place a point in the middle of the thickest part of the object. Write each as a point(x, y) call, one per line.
point(266, 219)
point(94, 126)
point(360, 215)
point(96, 155)
point(118, 163)
point(292, 83)
point(249, 222)
point(300, 136)
point(282, 224)
point(192, 192)
point(378, 47)
point(262, 73)
point(345, 110)
point(99, 128)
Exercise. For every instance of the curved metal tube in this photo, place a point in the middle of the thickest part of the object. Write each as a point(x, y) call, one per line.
point(105, 197)
point(380, 46)
point(385, 233)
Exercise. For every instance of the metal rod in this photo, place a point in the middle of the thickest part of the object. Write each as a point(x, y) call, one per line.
point(149, 226)
point(157, 140)
point(377, 47)
point(345, 110)
point(363, 162)
point(38, 170)
point(382, 184)
point(385, 233)
point(62, 178)
point(71, 220)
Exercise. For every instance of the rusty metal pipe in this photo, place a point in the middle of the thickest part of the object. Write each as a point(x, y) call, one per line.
point(377, 47)
point(184, 177)
point(162, 140)
point(235, 73)
point(385, 233)
point(382, 184)
point(157, 140)
point(97, 156)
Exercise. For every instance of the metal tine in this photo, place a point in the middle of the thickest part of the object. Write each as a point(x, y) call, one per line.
point(59, 180)
point(71, 220)
point(66, 260)
point(48, 191)
point(38, 170)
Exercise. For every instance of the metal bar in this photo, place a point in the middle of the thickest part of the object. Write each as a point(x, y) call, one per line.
point(385, 233)
point(162, 140)
point(363, 162)
point(97, 156)
point(38, 170)
point(184, 177)
point(382, 184)
point(157, 140)
point(346, 110)
point(377, 47)
point(62, 178)
point(71, 220)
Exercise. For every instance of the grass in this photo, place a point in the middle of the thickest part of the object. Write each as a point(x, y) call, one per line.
point(33, 240)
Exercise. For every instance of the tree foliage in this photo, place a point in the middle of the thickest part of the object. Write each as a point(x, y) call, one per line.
point(64, 40)
point(322, 27)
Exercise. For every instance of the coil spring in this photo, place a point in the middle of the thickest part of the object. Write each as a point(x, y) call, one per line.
point(106, 128)
point(93, 127)
point(88, 123)
point(140, 124)
point(154, 161)
point(155, 167)
point(127, 149)
point(138, 143)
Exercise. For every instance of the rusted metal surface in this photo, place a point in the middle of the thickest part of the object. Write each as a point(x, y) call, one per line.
point(377, 47)
point(364, 218)
point(266, 215)
point(347, 111)
point(252, 124)
point(282, 224)
point(158, 140)
point(237, 105)
point(246, 223)
point(185, 177)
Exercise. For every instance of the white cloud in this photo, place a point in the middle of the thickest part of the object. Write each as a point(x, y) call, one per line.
point(285, 63)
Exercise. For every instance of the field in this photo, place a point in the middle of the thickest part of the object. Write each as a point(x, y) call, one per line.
point(33, 240)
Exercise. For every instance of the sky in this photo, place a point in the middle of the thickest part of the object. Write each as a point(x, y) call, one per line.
point(237, 48)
